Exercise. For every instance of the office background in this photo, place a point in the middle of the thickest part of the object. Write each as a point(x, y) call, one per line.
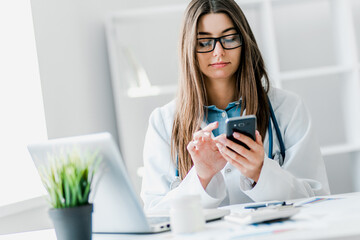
point(311, 47)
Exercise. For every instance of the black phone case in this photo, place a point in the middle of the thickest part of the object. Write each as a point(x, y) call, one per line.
point(245, 125)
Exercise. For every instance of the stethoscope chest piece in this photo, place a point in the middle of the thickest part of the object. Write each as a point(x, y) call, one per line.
point(175, 183)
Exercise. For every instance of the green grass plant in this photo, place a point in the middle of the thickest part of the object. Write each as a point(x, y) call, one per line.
point(68, 178)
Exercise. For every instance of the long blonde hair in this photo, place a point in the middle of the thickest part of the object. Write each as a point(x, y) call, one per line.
point(252, 83)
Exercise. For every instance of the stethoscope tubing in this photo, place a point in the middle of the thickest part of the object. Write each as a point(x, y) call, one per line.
point(278, 134)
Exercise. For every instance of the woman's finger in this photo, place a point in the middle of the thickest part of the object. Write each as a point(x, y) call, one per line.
point(239, 149)
point(246, 140)
point(258, 138)
point(233, 155)
point(233, 162)
point(211, 126)
point(194, 146)
point(201, 134)
point(191, 147)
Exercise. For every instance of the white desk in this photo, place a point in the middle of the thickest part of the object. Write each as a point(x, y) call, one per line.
point(331, 219)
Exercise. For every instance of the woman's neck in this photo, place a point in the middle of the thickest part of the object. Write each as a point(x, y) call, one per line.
point(220, 92)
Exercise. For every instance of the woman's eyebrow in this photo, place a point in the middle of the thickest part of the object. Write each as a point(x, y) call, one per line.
point(226, 30)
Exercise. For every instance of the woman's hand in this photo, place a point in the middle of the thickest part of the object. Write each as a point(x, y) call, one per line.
point(248, 162)
point(205, 154)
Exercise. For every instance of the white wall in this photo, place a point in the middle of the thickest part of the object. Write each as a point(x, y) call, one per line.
point(22, 114)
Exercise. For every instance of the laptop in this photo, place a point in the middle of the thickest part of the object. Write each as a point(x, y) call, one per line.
point(117, 208)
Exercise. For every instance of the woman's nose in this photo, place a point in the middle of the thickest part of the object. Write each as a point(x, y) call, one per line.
point(218, 50)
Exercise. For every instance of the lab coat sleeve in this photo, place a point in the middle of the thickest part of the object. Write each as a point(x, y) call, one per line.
point(303, 173)
point(160, 170)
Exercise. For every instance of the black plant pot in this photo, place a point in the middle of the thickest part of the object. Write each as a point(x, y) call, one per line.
point(72, 223)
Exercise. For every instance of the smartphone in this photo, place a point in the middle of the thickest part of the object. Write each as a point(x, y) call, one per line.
point(245, 125)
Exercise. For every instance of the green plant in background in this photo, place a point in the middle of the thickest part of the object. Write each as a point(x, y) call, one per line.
point(69, 177)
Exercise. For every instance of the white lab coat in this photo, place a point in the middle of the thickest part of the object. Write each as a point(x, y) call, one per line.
point(302, 175)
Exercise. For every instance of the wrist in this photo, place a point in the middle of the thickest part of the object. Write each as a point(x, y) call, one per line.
point(257, 175)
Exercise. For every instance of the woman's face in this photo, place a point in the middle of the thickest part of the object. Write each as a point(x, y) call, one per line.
point(219, 64)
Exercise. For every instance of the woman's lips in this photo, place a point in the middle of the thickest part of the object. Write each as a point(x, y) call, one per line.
point(219, 64)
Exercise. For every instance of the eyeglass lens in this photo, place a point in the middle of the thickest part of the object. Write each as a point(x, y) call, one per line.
point(227, 42)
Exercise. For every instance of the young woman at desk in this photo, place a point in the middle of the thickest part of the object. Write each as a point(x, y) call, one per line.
point(222, 75)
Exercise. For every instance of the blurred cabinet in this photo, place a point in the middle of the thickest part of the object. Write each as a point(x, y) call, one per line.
point(317, 44)
point(310, 47)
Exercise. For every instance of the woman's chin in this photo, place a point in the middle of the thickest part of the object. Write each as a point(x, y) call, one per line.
point(220, 76)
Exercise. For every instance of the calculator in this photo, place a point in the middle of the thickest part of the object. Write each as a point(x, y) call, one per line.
point(265, 214)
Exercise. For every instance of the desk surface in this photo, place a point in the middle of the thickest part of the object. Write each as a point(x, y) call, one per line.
point(338, 218)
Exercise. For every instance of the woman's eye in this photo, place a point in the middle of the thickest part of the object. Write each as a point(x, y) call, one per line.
point(230, 39)
point(204, 43)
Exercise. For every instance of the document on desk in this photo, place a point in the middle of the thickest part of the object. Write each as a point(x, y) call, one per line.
point(224, 230)
point(314, 200)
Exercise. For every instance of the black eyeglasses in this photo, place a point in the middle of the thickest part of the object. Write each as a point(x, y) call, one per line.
point(228, 42)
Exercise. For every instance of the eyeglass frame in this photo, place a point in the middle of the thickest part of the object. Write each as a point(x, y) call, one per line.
point(218, 40)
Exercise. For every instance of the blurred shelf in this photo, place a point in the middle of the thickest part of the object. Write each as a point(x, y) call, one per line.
point(313, 72)
point(339, 149)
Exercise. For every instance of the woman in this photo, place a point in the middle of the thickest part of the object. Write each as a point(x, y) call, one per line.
point(222, 75)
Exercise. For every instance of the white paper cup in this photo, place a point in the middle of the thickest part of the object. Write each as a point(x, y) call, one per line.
point(186, 214)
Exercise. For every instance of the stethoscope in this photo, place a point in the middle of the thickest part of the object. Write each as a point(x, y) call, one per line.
point(272, 118)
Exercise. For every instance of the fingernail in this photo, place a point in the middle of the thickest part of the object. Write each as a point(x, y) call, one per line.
point(207, 133)
point(218, 145)
point(237, 135)
point(257, 132)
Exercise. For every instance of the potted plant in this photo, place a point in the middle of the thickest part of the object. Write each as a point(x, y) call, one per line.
point(68, 180)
